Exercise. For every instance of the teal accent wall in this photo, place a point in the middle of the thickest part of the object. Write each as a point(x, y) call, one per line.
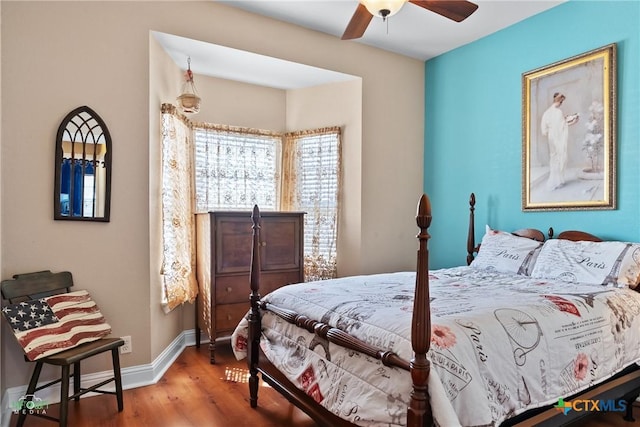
point(473, 125)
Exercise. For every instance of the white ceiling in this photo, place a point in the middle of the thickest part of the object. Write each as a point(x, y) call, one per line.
point(413, 32)
point(233, 64)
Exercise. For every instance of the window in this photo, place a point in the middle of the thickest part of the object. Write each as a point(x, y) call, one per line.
point(313, 162)
point(237, 168)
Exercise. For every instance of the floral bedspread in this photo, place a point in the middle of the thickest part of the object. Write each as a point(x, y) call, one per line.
point(500, 344)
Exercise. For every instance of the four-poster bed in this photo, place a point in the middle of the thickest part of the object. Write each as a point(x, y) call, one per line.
point(320, 350)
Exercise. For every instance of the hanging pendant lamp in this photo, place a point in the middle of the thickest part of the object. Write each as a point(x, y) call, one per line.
point(189, 101)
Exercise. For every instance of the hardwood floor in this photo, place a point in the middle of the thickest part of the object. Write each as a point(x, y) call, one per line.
point(194, 393)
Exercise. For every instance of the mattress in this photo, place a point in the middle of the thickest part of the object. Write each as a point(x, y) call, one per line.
point(500, 344)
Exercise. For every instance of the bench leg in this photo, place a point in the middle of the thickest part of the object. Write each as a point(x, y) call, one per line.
point(76, 379)
point(33, 383)
point(64, 395)
point(115, 357)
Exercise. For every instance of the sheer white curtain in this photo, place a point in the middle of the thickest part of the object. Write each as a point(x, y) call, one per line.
point(312, 170)
point(178, 227)
point(236, 168)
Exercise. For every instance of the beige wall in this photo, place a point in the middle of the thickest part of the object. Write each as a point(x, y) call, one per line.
point(60, 55)
point(164, 83)
point(240, 104)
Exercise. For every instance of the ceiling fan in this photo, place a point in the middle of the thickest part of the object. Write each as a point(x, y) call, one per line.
point(456, 10)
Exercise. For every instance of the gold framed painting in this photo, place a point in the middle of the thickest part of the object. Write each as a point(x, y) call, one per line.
point(569, 133)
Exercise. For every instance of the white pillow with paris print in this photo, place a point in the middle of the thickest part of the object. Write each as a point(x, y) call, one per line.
point(506, 253)
point(596, 263)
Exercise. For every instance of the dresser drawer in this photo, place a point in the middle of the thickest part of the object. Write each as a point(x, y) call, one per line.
point(232, 289)
point(229, 315)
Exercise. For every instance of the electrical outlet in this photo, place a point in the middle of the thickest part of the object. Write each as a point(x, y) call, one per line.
point(126, 348)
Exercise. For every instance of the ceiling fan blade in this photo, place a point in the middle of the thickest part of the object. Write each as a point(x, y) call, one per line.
point(457, 10)
point(358, 24)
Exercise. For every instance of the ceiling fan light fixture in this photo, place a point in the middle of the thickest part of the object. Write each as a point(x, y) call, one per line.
point(383, 8)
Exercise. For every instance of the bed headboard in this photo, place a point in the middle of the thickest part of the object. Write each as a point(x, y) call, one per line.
point(575, 236)
point(472, 248)
point(531, 233)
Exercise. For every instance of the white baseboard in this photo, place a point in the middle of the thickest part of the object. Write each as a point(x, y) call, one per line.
point(132, 377)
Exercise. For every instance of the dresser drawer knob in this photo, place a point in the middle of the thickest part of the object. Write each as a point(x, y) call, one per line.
point(228, 317)
point(229, 289)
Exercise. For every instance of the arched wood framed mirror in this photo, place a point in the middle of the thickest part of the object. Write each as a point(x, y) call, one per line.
point(82, 189)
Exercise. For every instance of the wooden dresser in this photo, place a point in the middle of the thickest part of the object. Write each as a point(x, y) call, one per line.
point(223, 259)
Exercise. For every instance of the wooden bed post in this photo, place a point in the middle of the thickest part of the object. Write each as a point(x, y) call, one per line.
point(419, 412)
point(471, 236)
point(255, 321)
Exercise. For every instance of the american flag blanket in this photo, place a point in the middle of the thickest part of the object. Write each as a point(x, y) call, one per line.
point(50, 325)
